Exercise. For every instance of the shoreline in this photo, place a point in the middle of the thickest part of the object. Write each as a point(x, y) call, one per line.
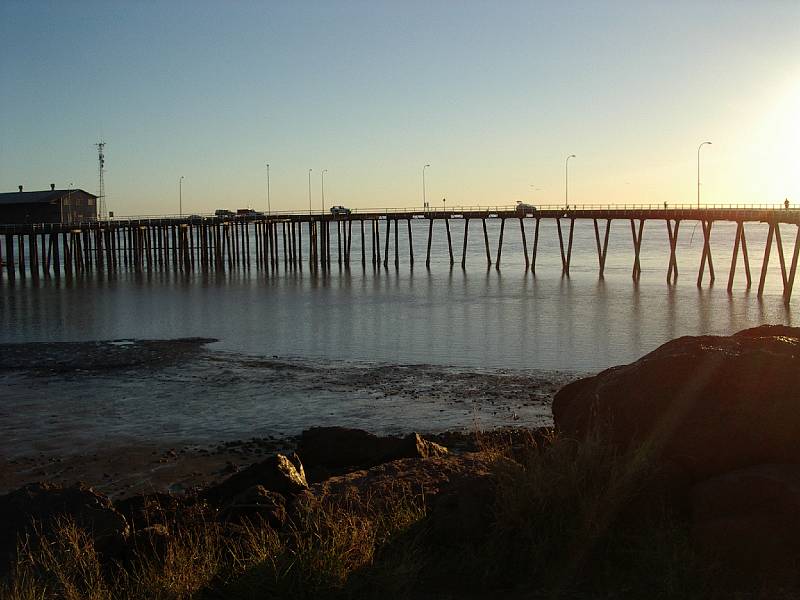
point(137, 416)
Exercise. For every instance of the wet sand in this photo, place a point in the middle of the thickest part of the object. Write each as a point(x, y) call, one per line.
point(129, 416)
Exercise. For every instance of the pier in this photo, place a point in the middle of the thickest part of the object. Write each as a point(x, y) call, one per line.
point(275, 241)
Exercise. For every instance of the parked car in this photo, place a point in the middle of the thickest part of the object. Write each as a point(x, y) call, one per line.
point(340, 210)
point(525, 207)
point(222, 212)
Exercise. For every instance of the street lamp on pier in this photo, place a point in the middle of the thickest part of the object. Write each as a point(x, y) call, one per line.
point(180, 196)
point(309, 191)
point(424, 199)
point(698, 172)
point(323, 189)
point(566, 181)
point(269, 208)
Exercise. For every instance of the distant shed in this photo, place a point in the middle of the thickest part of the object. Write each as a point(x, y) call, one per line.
point(47, 206)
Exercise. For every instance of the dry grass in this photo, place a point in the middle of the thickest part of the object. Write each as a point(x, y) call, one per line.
point(60, 564)
point(568, 520)
point(575, 516)
point(312, 557)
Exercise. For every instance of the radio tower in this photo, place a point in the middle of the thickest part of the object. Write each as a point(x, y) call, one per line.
point(101, 190)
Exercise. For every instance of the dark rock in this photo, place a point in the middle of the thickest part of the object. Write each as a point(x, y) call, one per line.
point(338, 447)
point(277, 474)
point(748, 520)
point(42, 504)
point(256, 503)
point(421, 479)
point(463, 513)
point(710, 404)
point(770, 331)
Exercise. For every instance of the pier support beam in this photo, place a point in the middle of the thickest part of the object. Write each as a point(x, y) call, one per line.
point(396, 248)
point(765, 261)
point(787, 289)
point(788, 278)
point(486, 243)
point(602, 252)
point(430, 238)
point(637, 247)
point(464, 253)
point(21, 254)
point(363, 250)
point(449, 239)
point(410, 244)
point(566, 257)
point(524, 242)
point(378, 241)
point(672, 270)
point(739, 241)
point(386, 249)
point(339, 230)
point(535, 247)
point(349, 242)
point(500, 243)
point(706, 225)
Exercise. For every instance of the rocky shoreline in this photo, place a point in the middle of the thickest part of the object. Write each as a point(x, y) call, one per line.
point(680, 471)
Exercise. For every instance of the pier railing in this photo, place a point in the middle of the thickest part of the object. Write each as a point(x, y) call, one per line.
point(575, 210)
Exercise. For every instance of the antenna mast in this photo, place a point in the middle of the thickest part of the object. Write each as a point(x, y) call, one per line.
point(101, 190)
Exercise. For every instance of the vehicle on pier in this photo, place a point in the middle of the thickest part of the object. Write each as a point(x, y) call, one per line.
point(524, 207)
point(222, 212)
point(340, 210)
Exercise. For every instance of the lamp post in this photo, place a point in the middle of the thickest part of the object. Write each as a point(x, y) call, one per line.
point(698, 171)
point(424, 199)
point(444, 205)
point(180, 196)
point(269, 208)
point(566, 181)
point(309, 191)
point(323, 189)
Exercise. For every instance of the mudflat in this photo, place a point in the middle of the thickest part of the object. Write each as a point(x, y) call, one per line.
point(131, 416)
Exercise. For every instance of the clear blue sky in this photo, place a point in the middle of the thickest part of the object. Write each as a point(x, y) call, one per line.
point(493, 95)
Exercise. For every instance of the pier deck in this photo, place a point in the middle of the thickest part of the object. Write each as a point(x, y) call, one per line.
point(207, 242)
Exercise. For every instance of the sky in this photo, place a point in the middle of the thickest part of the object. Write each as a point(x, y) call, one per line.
point(493, 95)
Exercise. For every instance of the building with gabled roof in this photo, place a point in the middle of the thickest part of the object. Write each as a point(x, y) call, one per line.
point(47, 206)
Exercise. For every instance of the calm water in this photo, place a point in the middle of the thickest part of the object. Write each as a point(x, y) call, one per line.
point(476, 317)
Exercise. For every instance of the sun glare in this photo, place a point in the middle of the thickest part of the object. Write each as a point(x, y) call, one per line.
point(785, 133)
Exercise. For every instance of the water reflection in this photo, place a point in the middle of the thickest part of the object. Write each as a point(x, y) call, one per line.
point(478, 316)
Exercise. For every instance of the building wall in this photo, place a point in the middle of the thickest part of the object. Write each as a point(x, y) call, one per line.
point(77, 206)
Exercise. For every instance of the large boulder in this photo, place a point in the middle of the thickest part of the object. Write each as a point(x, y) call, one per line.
point(277, 473)
point(339, 447)
point(456, 492)
point(709, 404)
point(256, 504)
point(748, 520)
point(42, 504)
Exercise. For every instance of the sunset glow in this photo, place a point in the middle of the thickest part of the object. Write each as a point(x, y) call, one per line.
point(493, 98)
